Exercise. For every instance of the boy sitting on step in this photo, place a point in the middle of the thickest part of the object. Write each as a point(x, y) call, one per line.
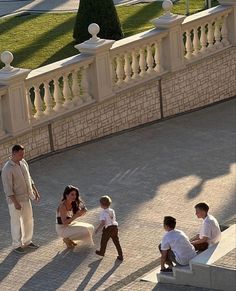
point(175, 246)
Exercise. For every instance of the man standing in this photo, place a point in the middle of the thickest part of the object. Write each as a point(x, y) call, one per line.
point(19, 188)
point(175, 246)
point(210, 230)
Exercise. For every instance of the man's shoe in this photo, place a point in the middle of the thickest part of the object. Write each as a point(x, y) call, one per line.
point(19, 250)
point(32, 246)
point(120, 258)
point(99, 253)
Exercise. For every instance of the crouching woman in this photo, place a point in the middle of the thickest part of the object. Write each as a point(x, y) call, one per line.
point(67, 225)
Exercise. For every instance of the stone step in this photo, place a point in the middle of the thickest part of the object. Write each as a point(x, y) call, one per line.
point(203, 270)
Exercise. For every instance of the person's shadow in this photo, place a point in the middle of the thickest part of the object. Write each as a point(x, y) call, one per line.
point(105, 277)
point(93, 267)
point(8, 264)
point(56, 272)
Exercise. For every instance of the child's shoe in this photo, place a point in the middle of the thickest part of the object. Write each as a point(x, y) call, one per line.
point(120, 258)
point(99, 253)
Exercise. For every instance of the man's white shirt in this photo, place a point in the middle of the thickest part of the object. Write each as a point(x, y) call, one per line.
point(179, 243)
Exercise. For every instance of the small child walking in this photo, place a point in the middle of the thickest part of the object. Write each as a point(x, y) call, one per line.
point(110, 227)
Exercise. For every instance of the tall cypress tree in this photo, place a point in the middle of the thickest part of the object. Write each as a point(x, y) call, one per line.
point(102, 12)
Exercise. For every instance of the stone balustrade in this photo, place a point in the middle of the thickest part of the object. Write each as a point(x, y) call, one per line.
point(137, 57)
point(58, 87)
point(206, 32)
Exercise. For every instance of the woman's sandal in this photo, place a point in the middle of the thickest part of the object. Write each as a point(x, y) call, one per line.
point(69, 243)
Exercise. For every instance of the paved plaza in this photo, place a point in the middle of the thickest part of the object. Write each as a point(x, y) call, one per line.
point(155, 170)
point(8, 7)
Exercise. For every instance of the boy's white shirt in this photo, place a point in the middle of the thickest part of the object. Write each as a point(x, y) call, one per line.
point(179, 243)
point(210, 228)
point(108, 216)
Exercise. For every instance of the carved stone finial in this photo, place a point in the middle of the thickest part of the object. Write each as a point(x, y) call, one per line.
point(167, 6)
point(94, 29)
point(7, 58)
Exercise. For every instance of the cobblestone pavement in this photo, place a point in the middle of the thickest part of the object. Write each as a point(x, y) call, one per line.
point(156, 170)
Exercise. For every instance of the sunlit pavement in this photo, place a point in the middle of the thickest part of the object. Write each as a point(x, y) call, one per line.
point(156, 170)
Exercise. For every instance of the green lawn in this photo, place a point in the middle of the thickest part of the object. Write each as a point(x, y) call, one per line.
point(40, 39)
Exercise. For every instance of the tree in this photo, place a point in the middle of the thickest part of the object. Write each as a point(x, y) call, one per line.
point(102, 12)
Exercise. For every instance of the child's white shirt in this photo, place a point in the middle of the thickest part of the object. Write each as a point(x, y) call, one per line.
point(109, 216)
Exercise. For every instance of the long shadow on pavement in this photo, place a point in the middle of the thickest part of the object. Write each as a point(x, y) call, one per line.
point(105, 277)
point(55, 273)
point(93, 267)
point(8, 264)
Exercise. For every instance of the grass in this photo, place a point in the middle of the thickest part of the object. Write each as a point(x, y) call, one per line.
point(40, 39)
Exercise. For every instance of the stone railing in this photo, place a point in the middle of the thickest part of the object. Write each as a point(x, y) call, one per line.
point(137, 57)
point(206, 32)
point(104, 69)
point(58, 88)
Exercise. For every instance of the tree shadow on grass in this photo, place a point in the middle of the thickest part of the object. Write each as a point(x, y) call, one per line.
point(65, 52)
point(142, 16)
point(39, 43)
point(42, 41)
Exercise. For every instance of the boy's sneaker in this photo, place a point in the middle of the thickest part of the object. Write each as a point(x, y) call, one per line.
point(99, 253)
point(120, 258)
point(32, 246)
point(19, 250)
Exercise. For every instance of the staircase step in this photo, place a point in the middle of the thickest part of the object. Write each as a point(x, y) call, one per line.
point(215, 252)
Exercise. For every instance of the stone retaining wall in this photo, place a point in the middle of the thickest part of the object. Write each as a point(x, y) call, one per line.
point(199, 84)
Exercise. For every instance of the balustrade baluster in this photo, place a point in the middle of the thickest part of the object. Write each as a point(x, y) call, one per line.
point(119, 70)
point(142, 62)
point(150, 60)
point(224, 31)
point(75, 89)
point(38, 103)
point(217, 35)
point(48, 100)
point(127, 68)
point(66, 91)
point(195, 41)
point(135, 65)
point(203, 38)
point(210, 36)
point(157, 57)
point(57, 96)
point(188, 45)
point(84, 84)
point(113, 68)
point(29, 105)
point(2, 132)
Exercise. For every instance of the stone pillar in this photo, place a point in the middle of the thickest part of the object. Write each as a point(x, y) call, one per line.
point(100, 77)
point(231, 20)
point(14, 105)
point(173, 47)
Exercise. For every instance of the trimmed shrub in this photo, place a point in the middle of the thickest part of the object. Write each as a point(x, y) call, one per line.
point(102, 12)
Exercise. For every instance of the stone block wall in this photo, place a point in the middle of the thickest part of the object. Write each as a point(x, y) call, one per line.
point(36, 143)
point(201, 83)
point(127, 109)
